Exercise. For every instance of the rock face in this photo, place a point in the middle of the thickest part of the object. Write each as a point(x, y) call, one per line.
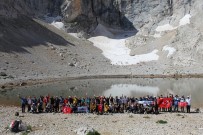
point(11, 8)
point(158, 24)
point(85, 14)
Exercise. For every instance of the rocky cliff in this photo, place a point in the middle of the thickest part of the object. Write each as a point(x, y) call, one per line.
point(125, 14)
point(172, 29)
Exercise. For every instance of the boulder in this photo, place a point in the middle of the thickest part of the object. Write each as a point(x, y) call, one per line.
point(71, 64)
point(3, 74)
point(85, 131)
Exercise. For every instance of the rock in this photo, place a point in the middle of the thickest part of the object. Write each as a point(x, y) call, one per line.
point(85, 131)
point(23, 84)
point(3, 87)
point(3, 74)
point(10, 83)
point(71, 64)
point(61, 54)
point(10, 77)
point(53, 48)
point(16, 113)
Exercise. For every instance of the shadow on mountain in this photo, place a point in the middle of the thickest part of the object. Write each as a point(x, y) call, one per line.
point(22, 32)
point(112, 16)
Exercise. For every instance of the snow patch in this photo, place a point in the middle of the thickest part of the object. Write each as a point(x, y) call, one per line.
point(129, 89)
point(74, 35)
point(55, 21)
point(113, 47)
point(58, 25)
point(185, 20)
point(171, 50)
point(167, 27)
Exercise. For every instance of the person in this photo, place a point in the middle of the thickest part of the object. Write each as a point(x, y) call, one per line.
point(29, 104)
point(23, 103)
point(182, 100)
point(188, 101)
point(156, 107)
point(176, 101)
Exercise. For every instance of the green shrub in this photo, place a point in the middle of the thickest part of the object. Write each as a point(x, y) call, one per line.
point(161, 122)
point(146, 117)
point(179, 114)
point(29, 128)
point(131, 116)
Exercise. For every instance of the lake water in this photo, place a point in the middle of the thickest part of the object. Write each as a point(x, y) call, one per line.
point(115, 87)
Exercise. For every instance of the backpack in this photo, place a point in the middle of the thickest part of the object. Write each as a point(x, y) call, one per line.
point(14, 126)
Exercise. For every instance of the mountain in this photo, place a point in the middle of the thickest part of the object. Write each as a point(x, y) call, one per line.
point(63, 38)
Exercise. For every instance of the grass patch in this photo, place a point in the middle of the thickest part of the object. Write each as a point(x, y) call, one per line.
point(7, 127)
point(93, 133)
point(179, 114)
point(131, 116)
point(161, 122)
point(25, 133)
point(29, 128)
point(146, 117)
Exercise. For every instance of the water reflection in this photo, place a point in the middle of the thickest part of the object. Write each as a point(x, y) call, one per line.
point(115, 87)
point(131, 90)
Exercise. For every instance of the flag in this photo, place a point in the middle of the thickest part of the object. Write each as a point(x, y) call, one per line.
point(182, 104)
point(164, 102)
point(67, 110)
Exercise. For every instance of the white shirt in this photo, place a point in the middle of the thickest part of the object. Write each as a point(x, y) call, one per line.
point(188, 100)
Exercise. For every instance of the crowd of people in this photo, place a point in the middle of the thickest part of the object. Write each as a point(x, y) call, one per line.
point(101, 104)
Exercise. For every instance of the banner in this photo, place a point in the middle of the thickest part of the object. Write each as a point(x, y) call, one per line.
point(165, 102)
point(182, 104)
point(146, 102)
point(67, 110)
point(82, 109)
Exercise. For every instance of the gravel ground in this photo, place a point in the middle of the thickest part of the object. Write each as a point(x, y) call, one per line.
point(116, 124)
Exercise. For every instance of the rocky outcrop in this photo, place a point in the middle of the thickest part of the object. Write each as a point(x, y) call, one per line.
point(85, 14)
point(10, 8)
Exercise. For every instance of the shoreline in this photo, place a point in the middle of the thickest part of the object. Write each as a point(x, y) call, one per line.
point(31, 82)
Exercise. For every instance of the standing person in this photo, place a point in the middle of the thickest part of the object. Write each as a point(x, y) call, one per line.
point(29, 103)
point(182, 100)
point(52, 100)
point(156, 107)
point(23, 103)
point(56, 104)
point(61, 103)
point(176, 101)
point(188, 100)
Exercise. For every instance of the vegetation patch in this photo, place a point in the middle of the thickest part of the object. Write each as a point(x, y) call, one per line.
point(179, 114)
point(161, 122)
point(29, 128)
point(146, 117)
point(130, 116)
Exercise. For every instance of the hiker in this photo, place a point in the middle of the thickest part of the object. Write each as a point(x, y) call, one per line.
point(156, 107)
point(52, 100)
point(176, 101)
point(182, 99)
point(101, 104)
point(23, 103)
point(29, 104)
point(188, 101)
